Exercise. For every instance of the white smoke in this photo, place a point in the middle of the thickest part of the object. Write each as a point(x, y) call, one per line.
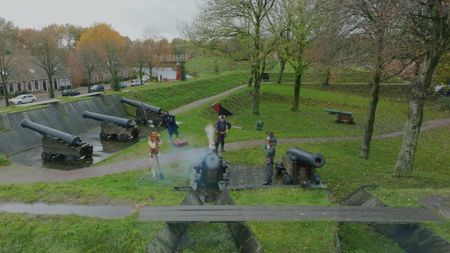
point(210, 135)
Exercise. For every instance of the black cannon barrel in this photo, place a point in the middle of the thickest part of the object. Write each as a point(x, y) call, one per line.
point(124, 122)
point(138, 104)
point(305, 158)
point(51, 132)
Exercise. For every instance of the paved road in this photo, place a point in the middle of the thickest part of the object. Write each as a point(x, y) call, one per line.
point(45, 95)
point(228, 213)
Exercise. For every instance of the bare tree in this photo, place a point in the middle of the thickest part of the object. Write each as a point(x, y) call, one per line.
point(89, 59)
point(430, 27)
point(138, 58)
point(333, 46)
point(296, 21)
point(47, 48)
point(378, 26)
point(228, 18)
point(152, 49)
point(8, 41)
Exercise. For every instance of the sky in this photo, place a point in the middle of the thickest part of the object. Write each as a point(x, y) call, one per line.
point(130, 17)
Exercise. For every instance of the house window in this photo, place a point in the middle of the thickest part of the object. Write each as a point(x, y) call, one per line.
point(44, 84)
point(30, 87)
point(36, 85)
point(11, 88)
point(19, 87)
point(55, 84)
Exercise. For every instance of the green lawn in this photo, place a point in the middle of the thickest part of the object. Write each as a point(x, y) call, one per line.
point(310, 121)
point(361, 238)
point(207, 238)
point(135, 187)
point(294, 237)
point(53, 234)
point(281, 196)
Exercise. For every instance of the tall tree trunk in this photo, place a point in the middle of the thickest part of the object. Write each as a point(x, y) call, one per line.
point(282, 66)
point(368, 132)
point(326, 82)
point(250, 80)
point(256, 89)
point(374, 97)
point(419, 86)
point(89, 81)
point(297, 86)
point(141, 70)
point(5, 90)
point(52, 92)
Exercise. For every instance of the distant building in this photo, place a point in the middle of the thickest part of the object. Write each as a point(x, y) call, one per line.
point(28, 76)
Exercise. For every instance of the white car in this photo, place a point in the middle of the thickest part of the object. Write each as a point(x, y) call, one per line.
point(23, 99)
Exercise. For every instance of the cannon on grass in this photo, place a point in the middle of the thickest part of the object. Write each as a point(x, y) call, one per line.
point(146, 113)
point(210, 176)
point(298, 167)
point(342, 116)
point(114, 128)
point(56, 144)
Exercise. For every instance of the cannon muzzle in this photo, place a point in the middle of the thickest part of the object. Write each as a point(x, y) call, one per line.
point(305, 158)
point(123, 122)
point(141, 105)
point(51, 132)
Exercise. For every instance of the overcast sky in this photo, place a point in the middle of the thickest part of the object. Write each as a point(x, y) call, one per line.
point(130, 17)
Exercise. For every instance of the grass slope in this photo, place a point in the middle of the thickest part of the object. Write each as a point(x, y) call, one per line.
point(135, 187)
point(53, 234)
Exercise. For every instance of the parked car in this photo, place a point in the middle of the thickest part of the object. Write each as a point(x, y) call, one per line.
point(70, 92)
point(23, 99)
point(123, 85)
point(97, 88)
point(135, 83)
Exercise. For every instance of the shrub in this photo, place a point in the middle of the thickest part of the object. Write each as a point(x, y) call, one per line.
point(4, 160)
point(444, 103)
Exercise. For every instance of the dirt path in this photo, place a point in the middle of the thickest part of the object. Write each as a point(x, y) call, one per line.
point(203, 101)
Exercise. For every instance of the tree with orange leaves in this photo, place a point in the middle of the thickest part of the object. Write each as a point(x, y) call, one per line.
point(108, 45)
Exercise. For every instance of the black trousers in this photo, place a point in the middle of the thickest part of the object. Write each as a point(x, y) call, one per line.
point(220, 139)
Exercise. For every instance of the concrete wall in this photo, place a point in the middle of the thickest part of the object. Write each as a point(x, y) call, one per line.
point(65, 117)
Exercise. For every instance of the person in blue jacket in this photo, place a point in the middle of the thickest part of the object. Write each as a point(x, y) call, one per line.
point(221, 129)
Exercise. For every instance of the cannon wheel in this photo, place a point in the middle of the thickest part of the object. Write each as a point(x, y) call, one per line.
point(70, 159)
point(46, 157)
point(88, 160)
point(123, 138)
point(135, 134)
point(103, 136)
point(287, 179)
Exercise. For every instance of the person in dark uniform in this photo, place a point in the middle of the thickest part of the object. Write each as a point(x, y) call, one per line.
point(172, 126)
point(221, 129)
point(270, 156)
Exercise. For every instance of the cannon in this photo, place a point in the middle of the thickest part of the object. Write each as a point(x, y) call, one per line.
point(114, 128)
point(342, 116)
point(146, 113)
point(56, 144)
point(210, 176)
point(298, 166)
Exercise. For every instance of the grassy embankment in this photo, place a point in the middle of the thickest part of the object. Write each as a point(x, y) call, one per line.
point(52, 234)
